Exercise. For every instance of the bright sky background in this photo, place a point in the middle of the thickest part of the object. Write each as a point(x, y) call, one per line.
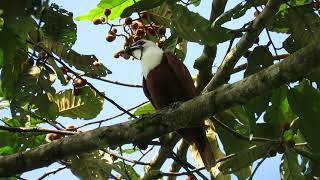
point(91, 40)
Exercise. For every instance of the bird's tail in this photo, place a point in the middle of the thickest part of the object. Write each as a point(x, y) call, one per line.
point(196, 136)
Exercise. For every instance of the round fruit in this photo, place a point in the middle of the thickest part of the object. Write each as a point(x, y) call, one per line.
point(162, 31)
point(42, 55)
point(151, 31)
point(110, 37)
point(128, 21)
point(70, 127)
point(96, 21)
point(143, 15)
point(116, 55)
point(107, 12)
point(79, 82)
point(54, 136)
point(126, 56)
point(140, 32)
point(136, 24)
point(114, 30)
point(189, 178)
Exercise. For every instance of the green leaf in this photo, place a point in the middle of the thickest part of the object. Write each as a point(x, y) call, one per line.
point(94, 165)
point(305, 102)
point(87, 105)
point(59, 25)
point(176, 45)
point(116, 6)
point(145, 109)
point(188, 25)
point(1, 58)
point(260, 58)
point(289, 167)
point(142, 6)
point(245, 158)
point(125, 170)
point(279, 112)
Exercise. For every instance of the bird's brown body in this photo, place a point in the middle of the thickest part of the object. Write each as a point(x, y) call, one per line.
point(171, 82)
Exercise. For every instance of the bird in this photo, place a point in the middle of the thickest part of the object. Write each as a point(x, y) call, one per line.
point(166, 80)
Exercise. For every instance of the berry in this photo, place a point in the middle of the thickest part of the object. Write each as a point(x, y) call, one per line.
point(136, 24)
point(96, 21)
point(140, 32)
point(110, 37)
point(79, 82)
point(162, 31)
point(116, 55)
point(54, 136)
point(125, 56)
point(143, 15)
point(70, 127)
point(189, 178)
point(151, 31)
point(114, 30)
point(128, 21)
point(42, 55)
point(107, 12)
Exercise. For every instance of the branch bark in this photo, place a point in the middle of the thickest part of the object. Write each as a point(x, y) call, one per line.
point(225, 69)
point(175, 117)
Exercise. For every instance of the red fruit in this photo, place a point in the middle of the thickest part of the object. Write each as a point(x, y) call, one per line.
point(54, 136)
point(107, 12)
point(70, 127)
point(136, 24)
point(162, 31)
point(116, 55)
point(140, 32)
point(114, 30)
point(110, 37)
point(79, 82)
point(128, 21)
point(143, 15)
point(96, 21)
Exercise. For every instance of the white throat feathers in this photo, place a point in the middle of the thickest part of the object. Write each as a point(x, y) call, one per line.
point(151, 57)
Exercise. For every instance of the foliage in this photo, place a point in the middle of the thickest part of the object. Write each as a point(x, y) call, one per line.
point(44, 79)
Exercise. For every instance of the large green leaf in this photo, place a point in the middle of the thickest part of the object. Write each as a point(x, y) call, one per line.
point(259, 59)
point(305, 102)
point(289, 167)
point(59, 25)
point(94, 165)
point(125, 170)
point(188, 25)
point(279, 112)
point(245, 158)
point(142, 6)
point(116, 6)
point(87, 105)
point(145, 109)
point(176, 45)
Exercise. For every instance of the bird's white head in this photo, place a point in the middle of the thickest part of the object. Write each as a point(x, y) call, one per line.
point(149, 54)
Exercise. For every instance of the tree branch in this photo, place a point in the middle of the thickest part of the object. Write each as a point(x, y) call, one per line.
point(225, 69)
point(36, 130)
point(169, 119)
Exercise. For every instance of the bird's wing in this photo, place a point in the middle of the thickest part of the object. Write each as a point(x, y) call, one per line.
point(185, 77)
point(146, 91)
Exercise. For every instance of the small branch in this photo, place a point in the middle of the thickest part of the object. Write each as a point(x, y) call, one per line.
point(37, 130)
point(224, 71)
point(181, 154)
point(115, 82)
point(236, 134)
point(182, 173)
point(144, 154)
point(115, 116)
point(52, 172)
point(87, 83)
point(258, 165)
point(124, 158)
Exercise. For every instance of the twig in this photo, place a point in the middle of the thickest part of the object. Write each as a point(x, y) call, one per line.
point(236, 134)
point(124, 164)
point(115, 116)
point(124, 158)
point(36, 129)
point(116, 82)
point(270, 40)
point(144, 154)
point(52, 172)
point(182, 173)
point(89, 84)
point(256, 168)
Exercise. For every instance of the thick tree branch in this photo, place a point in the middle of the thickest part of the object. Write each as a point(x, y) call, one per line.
point(225, 69)
point(170, 119)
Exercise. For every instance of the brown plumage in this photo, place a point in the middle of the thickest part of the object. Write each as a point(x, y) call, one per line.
point(171, 82)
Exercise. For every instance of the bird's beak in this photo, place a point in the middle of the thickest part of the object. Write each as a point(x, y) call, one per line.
point(130, 49)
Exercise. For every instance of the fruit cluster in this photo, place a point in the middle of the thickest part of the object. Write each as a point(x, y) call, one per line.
point(133, 30)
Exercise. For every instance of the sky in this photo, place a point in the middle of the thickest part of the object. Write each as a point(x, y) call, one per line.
point(91, 40)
